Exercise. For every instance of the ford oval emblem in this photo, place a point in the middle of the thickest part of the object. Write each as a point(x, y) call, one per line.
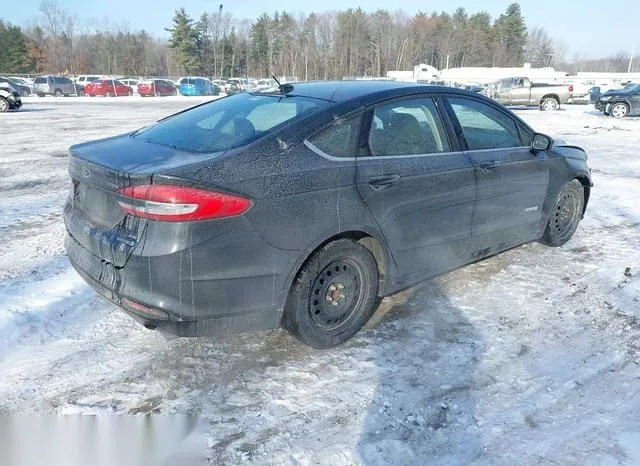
point(85, 172)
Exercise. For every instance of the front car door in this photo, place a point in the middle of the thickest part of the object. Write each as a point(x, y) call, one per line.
point(635, 101)
point(512, 181)
point(503, 91)
point(417, 185)
point(521, 92)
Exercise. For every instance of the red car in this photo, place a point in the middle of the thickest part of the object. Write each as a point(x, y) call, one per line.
point(107, 88)
point(156, 87)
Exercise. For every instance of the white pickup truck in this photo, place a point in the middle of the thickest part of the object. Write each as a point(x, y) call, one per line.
point(521, 91)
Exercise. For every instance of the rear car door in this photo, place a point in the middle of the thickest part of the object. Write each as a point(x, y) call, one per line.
point(512, 181)
point(417, 185)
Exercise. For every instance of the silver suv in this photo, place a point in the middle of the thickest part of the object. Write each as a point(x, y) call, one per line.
point(53, 85)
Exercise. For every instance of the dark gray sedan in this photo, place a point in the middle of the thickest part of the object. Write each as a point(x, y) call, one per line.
point(301, 206)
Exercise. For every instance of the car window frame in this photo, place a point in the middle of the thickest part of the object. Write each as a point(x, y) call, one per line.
point(363, 150)
point(458, 132)
point(308, 141)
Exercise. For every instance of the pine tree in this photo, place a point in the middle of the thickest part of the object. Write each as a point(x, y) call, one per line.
point(510, 37)
point(184, 42)
point(13, 50)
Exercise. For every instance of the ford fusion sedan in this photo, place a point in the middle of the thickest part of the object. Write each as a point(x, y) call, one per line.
point(302, 206)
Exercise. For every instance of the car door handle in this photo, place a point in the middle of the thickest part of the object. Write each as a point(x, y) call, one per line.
point(382, 182)
point(489, 164)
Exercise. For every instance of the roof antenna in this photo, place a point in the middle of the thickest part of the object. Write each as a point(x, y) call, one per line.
point(283, 89)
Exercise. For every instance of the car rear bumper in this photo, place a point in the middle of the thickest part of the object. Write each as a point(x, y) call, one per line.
point(213, 288)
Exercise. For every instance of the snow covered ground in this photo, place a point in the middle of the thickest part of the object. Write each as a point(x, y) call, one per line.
point(531, 357)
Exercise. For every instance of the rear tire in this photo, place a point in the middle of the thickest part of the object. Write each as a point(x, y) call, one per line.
point(24, 93)
point(549, 104)
point(333, 295)
point(565, 215)
point(4, 105)
point(619, 110)
point(130, 93)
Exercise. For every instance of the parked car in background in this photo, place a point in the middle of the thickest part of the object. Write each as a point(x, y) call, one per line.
point(239, 85)
point(9, 98)
point(82, 80)
point(107, 88)
point(22, 89)
point(197, 86)
point(521, 91)
point(23, 80)
point(620, 103)
point(131, 82)
point(54, 85)
point(208, 207)
point(473, 88)
point(265, 83)
point(221, 83)
point(156, 87)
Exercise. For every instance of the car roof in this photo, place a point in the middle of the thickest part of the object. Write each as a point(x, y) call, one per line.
point(343, 91)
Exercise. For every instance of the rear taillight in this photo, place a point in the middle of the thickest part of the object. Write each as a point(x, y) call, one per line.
point(571, 88)
point(180, 203)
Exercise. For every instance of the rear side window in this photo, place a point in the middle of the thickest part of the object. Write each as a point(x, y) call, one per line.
point(339, 140)
point(230, 122)
point(408, 127)
point(483, 126)
point(40, 80)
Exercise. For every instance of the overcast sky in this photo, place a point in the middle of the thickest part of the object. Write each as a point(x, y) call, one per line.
point(589, 28)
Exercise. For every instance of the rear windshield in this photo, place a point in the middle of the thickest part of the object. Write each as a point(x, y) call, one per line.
point(40, 80)
point(229, 123)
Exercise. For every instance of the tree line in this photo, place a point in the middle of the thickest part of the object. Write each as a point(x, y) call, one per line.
point(326, 45)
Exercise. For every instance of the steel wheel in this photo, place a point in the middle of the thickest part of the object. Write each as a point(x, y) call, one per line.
point(333, 294)
point(565, 214)
point(619, 110)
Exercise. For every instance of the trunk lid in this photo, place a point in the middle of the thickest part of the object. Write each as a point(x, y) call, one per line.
point(98, 171)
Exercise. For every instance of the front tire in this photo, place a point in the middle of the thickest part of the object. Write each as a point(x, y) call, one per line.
point(57, 93)
point(333, 295)
point(619, 110)
point(565, 216)
point(4, 105)
point(549, 104)
point(107, 94)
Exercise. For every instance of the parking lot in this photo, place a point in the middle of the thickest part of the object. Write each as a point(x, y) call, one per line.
point(530, 357)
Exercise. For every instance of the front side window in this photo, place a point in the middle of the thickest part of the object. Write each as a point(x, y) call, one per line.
point(339, 140)
point(230, 122)
point(409, 127)
point(483, 126)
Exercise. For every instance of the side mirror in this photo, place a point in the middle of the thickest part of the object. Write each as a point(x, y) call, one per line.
point(541, 143)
